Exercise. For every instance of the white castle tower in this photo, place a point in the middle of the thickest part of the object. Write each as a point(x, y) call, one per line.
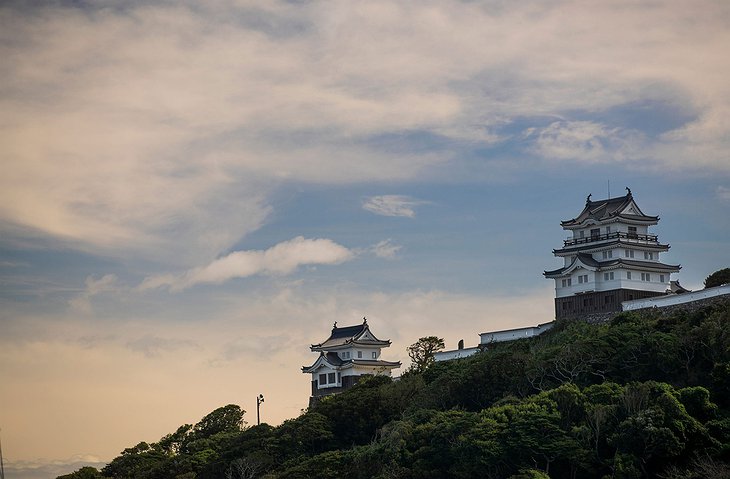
point(347, 355)
point(610, 257)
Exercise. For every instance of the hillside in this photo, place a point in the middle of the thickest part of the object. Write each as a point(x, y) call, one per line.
point(646, 395)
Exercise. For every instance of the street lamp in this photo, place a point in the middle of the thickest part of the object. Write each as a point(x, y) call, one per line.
point(259, 400)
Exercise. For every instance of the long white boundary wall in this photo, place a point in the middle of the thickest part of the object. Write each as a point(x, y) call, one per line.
point(454, 354)
point(513, 334)
point(674, 299)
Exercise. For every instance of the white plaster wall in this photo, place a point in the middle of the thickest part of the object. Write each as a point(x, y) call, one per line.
point(513, 334)
point(674, 299)
point(455, 354)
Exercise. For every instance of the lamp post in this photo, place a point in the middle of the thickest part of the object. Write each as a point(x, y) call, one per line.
point(2, 466)
point(259, 400)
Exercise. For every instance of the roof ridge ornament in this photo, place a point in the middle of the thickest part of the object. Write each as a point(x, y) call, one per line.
point(364, 320)
point(628, 191)
point(588, 199)
point(334, 326)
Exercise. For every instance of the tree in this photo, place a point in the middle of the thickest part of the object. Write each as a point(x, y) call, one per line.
point(83, 473)
point(422, 351)
point(224, 419)
point(718, 278)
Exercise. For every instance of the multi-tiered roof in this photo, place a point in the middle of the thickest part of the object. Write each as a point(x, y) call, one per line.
point(347, 354)
point(610, 250)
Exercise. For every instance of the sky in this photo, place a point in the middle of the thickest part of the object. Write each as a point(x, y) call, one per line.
point(193, 192)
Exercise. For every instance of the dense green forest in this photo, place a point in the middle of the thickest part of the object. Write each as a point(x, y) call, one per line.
point(646, 395)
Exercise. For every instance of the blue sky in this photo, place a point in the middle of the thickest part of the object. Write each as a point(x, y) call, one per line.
point(192, 194)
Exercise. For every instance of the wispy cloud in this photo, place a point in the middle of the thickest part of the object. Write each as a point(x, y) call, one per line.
point(82, 302)
point(254, 346)
point(723, 192)
point(584, 141)
point(386, 249)
point(392, 205)
point(105, 157)
point(280, 259)
point(153, 346)
point(44, 468)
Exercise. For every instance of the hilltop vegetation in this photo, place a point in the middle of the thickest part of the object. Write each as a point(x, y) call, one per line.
point(641, 396)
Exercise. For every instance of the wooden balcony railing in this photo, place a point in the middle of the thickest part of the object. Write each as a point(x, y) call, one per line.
point(633, 237)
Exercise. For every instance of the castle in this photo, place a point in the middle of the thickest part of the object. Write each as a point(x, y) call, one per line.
point(344, 358)
point(611, 263)
point(610, 257)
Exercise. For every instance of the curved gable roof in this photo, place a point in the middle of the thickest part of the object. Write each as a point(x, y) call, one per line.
point(359, 334)
point(587, 261)
point(622, 207)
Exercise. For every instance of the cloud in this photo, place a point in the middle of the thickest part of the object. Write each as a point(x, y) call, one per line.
point(392, 205)
point(280, 259)
point(584, 141)
point(166, 136)
point(153, 346)
point(45, 468)
point(254, 346)
point(723, 192)
point(82, 302)
point(386, 249)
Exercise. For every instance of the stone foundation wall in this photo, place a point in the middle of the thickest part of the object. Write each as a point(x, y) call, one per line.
point(317, 394)
point(690, 307)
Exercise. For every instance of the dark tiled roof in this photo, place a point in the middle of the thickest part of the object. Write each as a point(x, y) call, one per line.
point(604, 209)
point(375, 362)
point(617, 242)
point(334, 359)
point(588, 260)
point(347, 331)
point(349, 335)
point(653, 265)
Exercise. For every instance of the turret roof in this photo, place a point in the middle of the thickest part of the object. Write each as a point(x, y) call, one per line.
point(334, 361)
point(349, 335)
point(620, 241)
point(589, 262)
point(622, 207)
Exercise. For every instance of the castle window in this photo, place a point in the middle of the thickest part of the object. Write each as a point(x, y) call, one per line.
point(359, 354)
point(595, 233)
point(339, 377)
point(322, 379)
point(661, 278)
point(331, 378)
point(608, 229)
point(607, 276)
point(648, 255)
point(645, 276)
point(629, 253)
point(607, 254)
point(632, 232)
point(375, 355)
point(566, 282)
point(628, 275)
